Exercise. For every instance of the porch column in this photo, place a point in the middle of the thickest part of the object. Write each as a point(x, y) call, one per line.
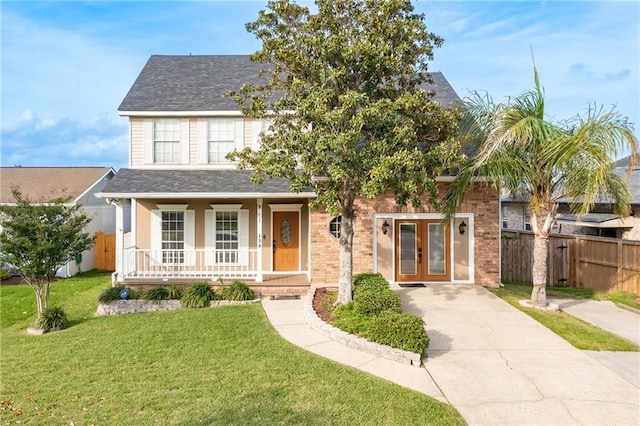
point(259, 240)
point(119, 205)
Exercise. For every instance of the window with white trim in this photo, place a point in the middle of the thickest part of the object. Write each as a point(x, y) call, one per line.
point(172, 239)
point(335, 225)
point(166, 141)
point(527, 220)
point(226, 236)
point(220, 139)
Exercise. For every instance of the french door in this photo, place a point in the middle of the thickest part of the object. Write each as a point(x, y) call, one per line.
point(422, 249)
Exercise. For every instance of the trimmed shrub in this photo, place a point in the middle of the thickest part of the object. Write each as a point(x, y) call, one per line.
point(369, 281)
point(236, 291)
point(113, 293)
point(52, 318)
point(398, 330)
point(158, 293)
point(198, 296)
point(372, 301)
point(173, 292)
point(347, 319)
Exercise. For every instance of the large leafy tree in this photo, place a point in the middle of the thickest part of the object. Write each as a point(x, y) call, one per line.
point(544, 162)
point(342, 87)
point(38, 238)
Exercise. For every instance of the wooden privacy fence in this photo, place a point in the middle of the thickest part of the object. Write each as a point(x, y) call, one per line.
point(105, 251)
point(601, 264)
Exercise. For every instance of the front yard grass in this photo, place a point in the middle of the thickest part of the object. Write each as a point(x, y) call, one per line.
point(194, 366)
point(577, 332)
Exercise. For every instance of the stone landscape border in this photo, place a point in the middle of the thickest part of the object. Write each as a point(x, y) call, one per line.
point(340, 336)
point(121, 307)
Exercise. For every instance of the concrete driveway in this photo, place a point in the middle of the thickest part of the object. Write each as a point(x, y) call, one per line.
point(498, 366)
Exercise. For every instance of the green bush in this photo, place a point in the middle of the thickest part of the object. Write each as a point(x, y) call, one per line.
point(347, 319)
point(173, 292)
point(372, 301)
point(398, 330)
point(369, 282)
point(198, 296)
point(236, 291)
point(113, 293)
point(158, 293)
point(52, 318)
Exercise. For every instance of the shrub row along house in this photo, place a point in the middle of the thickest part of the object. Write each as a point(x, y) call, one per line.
point(194, 216)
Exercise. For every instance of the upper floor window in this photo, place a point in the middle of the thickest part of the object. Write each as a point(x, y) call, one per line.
point(220, 139)
point(166, 141)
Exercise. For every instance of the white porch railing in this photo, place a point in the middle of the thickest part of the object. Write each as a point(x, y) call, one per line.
point(205, 264)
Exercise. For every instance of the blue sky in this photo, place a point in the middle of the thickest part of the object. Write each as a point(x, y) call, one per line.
point(66, 66)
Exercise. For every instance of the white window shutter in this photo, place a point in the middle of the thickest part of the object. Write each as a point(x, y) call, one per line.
point(209, 237)
point(184, 141)
point(239, 133)
point(156, 238)
point(257, 128)
point(243, 237)
point(147, 141)
point(203, 145)
point(190, 238)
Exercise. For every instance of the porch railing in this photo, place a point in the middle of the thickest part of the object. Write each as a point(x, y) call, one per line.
point(206, 264)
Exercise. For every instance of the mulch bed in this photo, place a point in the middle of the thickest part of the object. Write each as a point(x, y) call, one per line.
point(318, 299)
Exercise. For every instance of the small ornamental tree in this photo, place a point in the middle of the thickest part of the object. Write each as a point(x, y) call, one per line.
point(348, 115)
point(38, 238)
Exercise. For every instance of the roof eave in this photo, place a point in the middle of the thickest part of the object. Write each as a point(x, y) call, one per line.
point(204, 195)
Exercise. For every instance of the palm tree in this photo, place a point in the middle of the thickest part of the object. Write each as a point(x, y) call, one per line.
point(528, 155)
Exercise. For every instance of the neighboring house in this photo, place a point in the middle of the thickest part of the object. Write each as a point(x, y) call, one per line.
point(195, 216)
point(41, 184)
point(601, 221)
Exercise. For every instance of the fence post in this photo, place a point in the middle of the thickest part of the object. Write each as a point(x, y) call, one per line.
point(619, 261)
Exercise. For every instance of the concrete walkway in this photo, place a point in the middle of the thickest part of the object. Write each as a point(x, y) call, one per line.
point(495, 364)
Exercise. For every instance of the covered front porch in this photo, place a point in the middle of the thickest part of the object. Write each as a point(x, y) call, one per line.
point(223, 228)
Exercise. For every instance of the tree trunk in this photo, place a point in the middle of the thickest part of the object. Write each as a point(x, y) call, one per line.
point(38, 290)
point(539, 272)
point(346, 259)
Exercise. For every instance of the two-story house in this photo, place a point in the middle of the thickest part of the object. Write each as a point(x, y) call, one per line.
point(196, 217)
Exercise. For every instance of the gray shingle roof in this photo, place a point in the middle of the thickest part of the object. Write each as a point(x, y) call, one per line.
point(170, 182)
point(198, 83)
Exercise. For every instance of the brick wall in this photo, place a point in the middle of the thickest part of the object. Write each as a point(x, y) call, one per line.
point(481, 200)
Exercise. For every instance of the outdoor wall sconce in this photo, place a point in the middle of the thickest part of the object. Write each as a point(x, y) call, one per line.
point(462, 227)
point(385, 227)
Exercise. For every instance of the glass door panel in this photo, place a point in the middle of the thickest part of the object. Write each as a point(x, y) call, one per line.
point(437, 253)
point(408, 245)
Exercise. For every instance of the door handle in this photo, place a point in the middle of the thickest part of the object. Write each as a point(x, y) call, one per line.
point(419, 254)
point(274, 246)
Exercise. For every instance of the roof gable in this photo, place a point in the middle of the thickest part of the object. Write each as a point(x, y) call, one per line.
point(44, 183)
point(172, 83)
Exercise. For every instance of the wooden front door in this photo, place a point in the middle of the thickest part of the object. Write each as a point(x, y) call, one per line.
point(286, 241)
point(422, 251)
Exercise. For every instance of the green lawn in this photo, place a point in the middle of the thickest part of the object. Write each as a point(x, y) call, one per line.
point(202, 366)
point(579, 333)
